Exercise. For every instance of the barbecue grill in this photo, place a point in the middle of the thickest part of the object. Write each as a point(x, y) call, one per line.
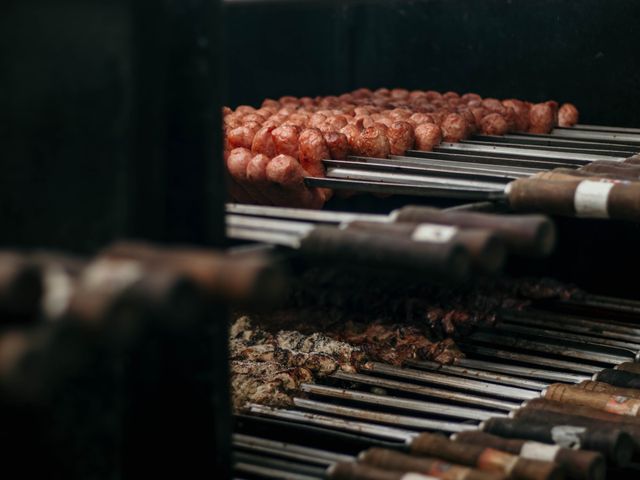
point(113, 135)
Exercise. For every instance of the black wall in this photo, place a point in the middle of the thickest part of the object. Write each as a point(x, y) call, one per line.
point(584, 52)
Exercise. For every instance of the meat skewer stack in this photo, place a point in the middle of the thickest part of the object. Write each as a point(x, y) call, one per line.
point(268, 151)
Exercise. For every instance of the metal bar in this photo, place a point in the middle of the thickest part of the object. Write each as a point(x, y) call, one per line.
point(531, 359)
point(602, 302)
point(320, 216)
point(455, 382)
point(585, 339)
point(478, 374)
point(402, 178)
point(595, 326)
point(548, 154)
point(284, 448)
point(281, 465)
point(400, 403)
point(253, 235)
point(628, 138)
point(335, 423)
point(582, 126)
point(552, 141)
point(260, 223)
point(437, 171)
point(555, 148)
point(440, 191)
point(519, 370)
point(453, 164)
point(390, 418)
point(548, 348)
point(268, 472)
point(490, 158)
point(427, 391)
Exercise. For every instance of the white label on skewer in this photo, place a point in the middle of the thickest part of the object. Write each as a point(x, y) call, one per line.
point(567, 436)
point(427, 232)
point(539, 451)
point(591, 199)
point(416, 476)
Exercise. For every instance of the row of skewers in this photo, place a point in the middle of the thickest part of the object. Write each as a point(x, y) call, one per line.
point(544, 394)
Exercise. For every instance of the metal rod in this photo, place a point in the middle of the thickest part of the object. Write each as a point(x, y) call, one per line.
point(595, 135)
point(268, 472)
point(546, 154)
point(453, 164)
point(390, 418)
point(562, 149)
point(400, 403)
point(268, 224)
point(582, 126)
point(567, 322)
point(455, 382)
point(320, 216)
point(528, 372)
point(440, 191)
point(426, 391)
point(335, 423)
point(280, 465)
point(402, 178)
point(584, 339)
point(560, 350)
point(478, 374)
point(385, 165)
point(531, 359)
point(594, 301)
point(489, 158)
point(312, 455)
point(253, 235)
point(552, 141)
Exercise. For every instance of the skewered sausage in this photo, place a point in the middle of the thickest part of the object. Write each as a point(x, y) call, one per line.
point(567, 115)
point(372, 142)
point(494, 124)
point(285, 139)
point(401, 137)
point(454, 128)
point(287, 176)
point(313, 149)
point(427, 136)
point(541, 118)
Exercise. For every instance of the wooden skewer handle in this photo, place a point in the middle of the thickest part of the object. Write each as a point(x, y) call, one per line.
point(631, 367)
point(486, 250)
point(581, 198)
point(531, 235)
point(444, 260)
point(391, 460)
point(601, 387)
point(484, 457)
point(578, 464)
point(618, 378)
point(616, 445)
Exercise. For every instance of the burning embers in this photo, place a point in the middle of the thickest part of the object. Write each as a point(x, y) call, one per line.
point(272, 355)
point(267, 367)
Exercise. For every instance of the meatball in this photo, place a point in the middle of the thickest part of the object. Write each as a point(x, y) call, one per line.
point(522, 113)
point(242, 136)
point(372, 142)
point(257, 177)
point(285, 138)
point(567, 115)
point(401, 137)
point(287, 176)
point(494, 124)
point(313, 149)
point(263, 142)
point(338, 145)
point(237, 163)
point(427, 136)
point(454, 128)
point(541, 118)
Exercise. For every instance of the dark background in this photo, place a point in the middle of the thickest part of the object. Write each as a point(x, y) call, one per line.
point(584, 52)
